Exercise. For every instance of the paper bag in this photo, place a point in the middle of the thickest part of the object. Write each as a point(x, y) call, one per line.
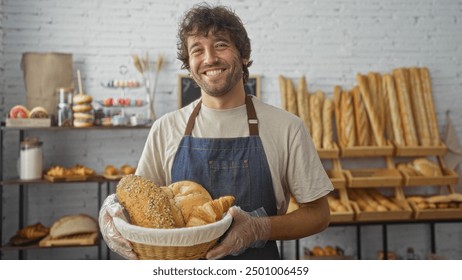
point(44, 74)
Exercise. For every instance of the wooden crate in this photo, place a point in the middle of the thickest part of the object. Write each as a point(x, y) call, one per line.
point(73, 240)
point(435, 214)
point(367, 151)
point(28, 122)
point(343, 216)
point(404, 214)
point(373, 177)
point(329, 153)
point(417, 151)
point(449, 178)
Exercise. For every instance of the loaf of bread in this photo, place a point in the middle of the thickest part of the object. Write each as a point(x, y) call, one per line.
point(327, 131)
point(418, 108)
point(348, 118)
point(33, 231)
point(173, 206)
point(361, 120)
point(291, 97)
point(282, 91)
point(316, 120)
point(427, 168)
point(405, 108)
point(394, 110)
point(429, 105)
point(377, 129)
point(303, 103)
point(73, 224)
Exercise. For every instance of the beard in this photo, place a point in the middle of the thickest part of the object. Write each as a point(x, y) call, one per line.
point(220, 87)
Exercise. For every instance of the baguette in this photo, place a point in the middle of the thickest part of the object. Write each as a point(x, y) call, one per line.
point(377, 130)
point(303, 103)
point(405, 109)
point(418, 108)
point(361, 121)
point(348, 118)
point(394, 110)
point(291, 97)
point(327, 132)
point(282, 91)
point(338, 115)
point(316, 120)
point(429, 106)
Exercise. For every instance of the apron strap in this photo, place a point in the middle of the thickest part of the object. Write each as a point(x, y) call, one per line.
point(251, 116)
point(192, 119)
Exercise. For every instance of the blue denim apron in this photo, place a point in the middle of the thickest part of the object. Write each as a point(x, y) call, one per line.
point(230, 166)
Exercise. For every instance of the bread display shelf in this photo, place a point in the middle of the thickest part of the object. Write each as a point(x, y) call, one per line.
point(373, 177)
point(367, 151)
point(28, 122)
point(345, 216)
point(449, 178)
point(337, 178)
point(329, 153)
point(404, 214)
point(73, 178)
point(435, 214)
point(416, 151)
point(76, 240)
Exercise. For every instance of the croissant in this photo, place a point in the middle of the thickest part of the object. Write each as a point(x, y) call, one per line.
point(210, 212)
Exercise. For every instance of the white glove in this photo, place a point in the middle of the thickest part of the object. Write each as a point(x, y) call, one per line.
point(114, 240)
point(249, 230)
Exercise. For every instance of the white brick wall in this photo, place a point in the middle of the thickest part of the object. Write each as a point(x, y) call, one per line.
point(328, 41)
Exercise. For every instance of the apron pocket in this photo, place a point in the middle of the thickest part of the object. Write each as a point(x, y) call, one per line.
point(231, 177)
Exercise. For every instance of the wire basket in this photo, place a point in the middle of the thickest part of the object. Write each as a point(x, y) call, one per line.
point(187, 243)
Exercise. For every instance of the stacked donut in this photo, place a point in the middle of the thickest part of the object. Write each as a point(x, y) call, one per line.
point(83, 110)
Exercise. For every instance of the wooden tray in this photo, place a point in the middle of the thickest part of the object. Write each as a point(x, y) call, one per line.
point(399, 199)
point(414, 151)
point(343, 216)
point(367, 151)
point(329, 153)
point(78, 239)
point(449, 178)
point(337, 178)
point(373, 177)
point(65, 179)
point(435, 214)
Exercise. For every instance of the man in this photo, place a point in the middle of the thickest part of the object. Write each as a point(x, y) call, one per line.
point(233, 144)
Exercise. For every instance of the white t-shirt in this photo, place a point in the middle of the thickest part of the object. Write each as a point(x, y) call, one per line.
point(294, 163)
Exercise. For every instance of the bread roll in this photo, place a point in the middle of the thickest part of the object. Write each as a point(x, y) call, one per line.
point(427, 167)
point(73, 224)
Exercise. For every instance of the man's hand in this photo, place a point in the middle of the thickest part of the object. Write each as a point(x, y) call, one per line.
point(111, 208)
point(248, 230)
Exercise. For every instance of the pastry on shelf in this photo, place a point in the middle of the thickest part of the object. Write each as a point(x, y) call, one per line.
point(29, 234)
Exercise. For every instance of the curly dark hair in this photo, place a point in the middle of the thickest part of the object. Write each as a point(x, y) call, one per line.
point(204, 18)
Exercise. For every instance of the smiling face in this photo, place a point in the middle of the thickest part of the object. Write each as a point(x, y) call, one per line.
point(215, 63)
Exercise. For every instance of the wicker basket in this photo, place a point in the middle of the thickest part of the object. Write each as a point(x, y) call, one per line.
point(173, 244)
